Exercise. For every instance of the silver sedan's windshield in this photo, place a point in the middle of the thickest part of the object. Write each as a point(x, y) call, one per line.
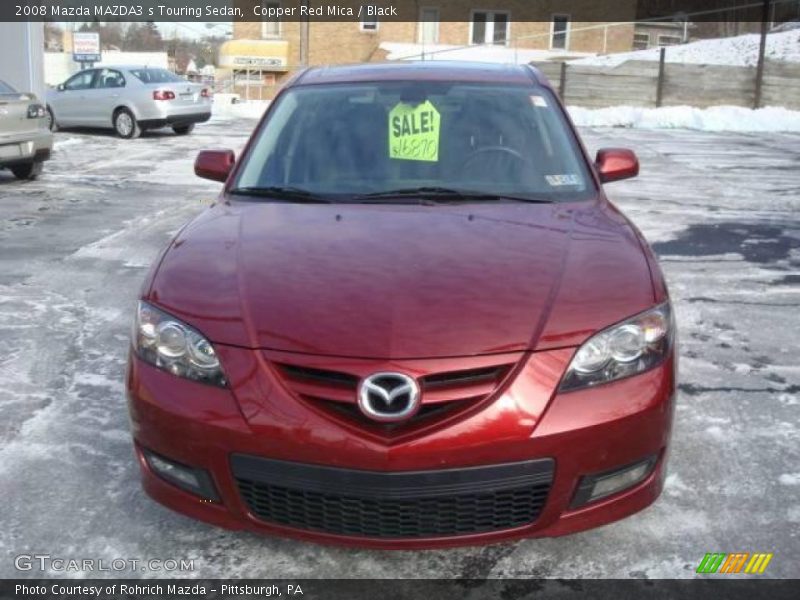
point(454, 141)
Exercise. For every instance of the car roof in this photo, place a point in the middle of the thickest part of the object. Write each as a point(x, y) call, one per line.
point(129, 67)
point(431, 70)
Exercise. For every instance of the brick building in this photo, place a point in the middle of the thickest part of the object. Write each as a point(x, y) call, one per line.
point(264, 54)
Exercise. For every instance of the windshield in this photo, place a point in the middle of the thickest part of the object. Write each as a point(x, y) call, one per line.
point(156, 76)
point(353, 140)
point(6, 89)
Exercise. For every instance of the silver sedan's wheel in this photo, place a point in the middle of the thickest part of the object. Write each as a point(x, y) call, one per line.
point(125, 124)
point(183, 129)
point(51, 120)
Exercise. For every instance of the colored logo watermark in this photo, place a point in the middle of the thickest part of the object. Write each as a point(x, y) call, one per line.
point(737, 562)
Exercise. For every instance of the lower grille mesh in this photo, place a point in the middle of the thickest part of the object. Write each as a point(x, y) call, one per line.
point(452, 509)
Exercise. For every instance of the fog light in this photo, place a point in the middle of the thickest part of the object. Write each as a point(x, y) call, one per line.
point(594, 487)
point(190, 479)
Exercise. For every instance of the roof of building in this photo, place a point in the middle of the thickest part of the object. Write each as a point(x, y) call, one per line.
point(439, 70)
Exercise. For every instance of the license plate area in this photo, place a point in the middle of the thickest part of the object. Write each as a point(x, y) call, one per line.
point(11, 151)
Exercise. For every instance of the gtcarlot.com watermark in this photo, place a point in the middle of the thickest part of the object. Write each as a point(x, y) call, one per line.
point(59, 564)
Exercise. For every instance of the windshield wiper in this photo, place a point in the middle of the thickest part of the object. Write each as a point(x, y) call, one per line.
point(444, 194)
point(277, 192)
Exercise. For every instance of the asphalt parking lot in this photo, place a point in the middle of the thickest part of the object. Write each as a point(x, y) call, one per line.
point(721, 210)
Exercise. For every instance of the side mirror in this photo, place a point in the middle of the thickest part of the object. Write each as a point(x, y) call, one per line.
point(215, 165)
point(614, 164)
point(60, 87)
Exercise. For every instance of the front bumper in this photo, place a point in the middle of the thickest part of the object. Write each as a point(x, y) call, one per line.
point(33, 146)
point(259, 432)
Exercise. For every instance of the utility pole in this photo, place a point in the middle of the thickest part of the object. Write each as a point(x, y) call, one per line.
point(762, 49)
point(304, 38)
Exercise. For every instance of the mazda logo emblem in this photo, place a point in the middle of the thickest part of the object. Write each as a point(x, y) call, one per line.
point(388, 396)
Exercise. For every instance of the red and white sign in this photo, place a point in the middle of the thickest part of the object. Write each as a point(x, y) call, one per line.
point(86, 46)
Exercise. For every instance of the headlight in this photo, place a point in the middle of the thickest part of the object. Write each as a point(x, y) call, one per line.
point(36, 111)
point(169, 344)
point(628, 348)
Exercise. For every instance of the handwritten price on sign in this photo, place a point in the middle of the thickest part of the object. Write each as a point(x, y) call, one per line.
point(415, 149)
point(414, 132)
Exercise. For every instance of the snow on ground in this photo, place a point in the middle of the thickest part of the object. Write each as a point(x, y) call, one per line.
point(720, 209)
point(491, 54)
point(741, 51)
point(715, 118)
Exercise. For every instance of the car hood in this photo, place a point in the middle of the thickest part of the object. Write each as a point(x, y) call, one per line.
point(403, 281)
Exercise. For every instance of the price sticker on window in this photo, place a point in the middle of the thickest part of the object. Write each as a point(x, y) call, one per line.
point(414, 132)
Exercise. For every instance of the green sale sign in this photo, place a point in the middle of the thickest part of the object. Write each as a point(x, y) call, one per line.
point(414, 132)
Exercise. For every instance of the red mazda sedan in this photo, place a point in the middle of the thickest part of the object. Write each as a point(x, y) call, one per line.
point(412, 319)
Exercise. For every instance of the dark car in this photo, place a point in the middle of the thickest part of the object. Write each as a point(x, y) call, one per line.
point(412, 319)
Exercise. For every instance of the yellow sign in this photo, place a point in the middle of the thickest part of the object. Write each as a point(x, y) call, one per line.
point(414, 132)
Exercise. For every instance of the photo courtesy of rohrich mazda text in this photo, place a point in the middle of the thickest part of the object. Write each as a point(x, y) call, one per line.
point(412, 319)
point(399, 299)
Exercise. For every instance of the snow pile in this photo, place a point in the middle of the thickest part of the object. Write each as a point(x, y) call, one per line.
point(60, 142)
point(230, 106)
point(716, 118)
point(489, 54)
point(790, 479)
point(739, 51)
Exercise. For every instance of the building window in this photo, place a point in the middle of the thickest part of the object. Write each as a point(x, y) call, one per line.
point(428, 26)
point(369, 24)
point(641, 41)
point(271, 29)
point(560, 32)
point(669, 40)
point(489, 27)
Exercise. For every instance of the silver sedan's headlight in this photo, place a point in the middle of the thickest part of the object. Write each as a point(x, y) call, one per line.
point(628, 348)
point(169, 344)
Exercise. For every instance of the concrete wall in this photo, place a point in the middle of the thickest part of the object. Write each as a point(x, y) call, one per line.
point(22, 52)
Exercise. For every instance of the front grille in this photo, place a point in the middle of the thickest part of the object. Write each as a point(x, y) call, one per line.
point(393, 505)
point(442, 393)
point(320, 375)
point(464, 377)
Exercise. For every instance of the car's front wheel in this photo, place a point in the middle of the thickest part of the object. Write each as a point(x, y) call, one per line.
point(183, 129)
point(125, 124)
point(29, 171)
